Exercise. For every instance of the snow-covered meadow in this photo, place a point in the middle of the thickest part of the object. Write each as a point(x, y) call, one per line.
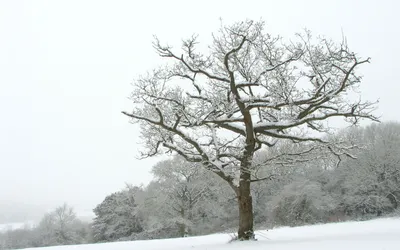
point(380, 234)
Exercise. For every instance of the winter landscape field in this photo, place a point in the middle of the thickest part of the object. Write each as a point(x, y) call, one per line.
point(380, 234)
point(144, 125)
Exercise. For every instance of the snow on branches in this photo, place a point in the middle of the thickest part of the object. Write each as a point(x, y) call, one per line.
point(251, 90)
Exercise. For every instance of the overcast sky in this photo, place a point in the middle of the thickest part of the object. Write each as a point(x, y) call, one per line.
point(66, 69)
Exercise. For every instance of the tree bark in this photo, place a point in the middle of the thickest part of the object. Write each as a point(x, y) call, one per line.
point(245, 202)
point(182, 226)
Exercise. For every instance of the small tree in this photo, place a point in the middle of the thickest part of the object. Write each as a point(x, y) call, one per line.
point(65, 219)
point(249, 92)
point(189, 192)
point(60, 227)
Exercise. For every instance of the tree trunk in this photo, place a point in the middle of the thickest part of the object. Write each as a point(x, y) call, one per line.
point(246, 231)
point(182, 225)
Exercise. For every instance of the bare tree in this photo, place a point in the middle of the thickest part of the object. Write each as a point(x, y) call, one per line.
point(185, 187)
point(250, 91)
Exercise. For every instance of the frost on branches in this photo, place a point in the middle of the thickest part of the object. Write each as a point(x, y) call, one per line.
point(250, 91)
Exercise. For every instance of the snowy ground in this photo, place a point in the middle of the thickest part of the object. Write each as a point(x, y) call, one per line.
point(382, 234)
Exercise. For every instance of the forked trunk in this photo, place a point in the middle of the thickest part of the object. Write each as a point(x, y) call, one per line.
point(246, 231)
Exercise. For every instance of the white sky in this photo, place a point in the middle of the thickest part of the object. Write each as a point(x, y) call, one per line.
point(66, 69)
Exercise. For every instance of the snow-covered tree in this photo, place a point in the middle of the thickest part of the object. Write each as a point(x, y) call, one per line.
point(117, 216)
point(248, 92)
point(370, 184)
point(183, 199)
point(60, 227)
point(65, 222)
point(16, 239)
point(184, 185)
point(46, 231)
